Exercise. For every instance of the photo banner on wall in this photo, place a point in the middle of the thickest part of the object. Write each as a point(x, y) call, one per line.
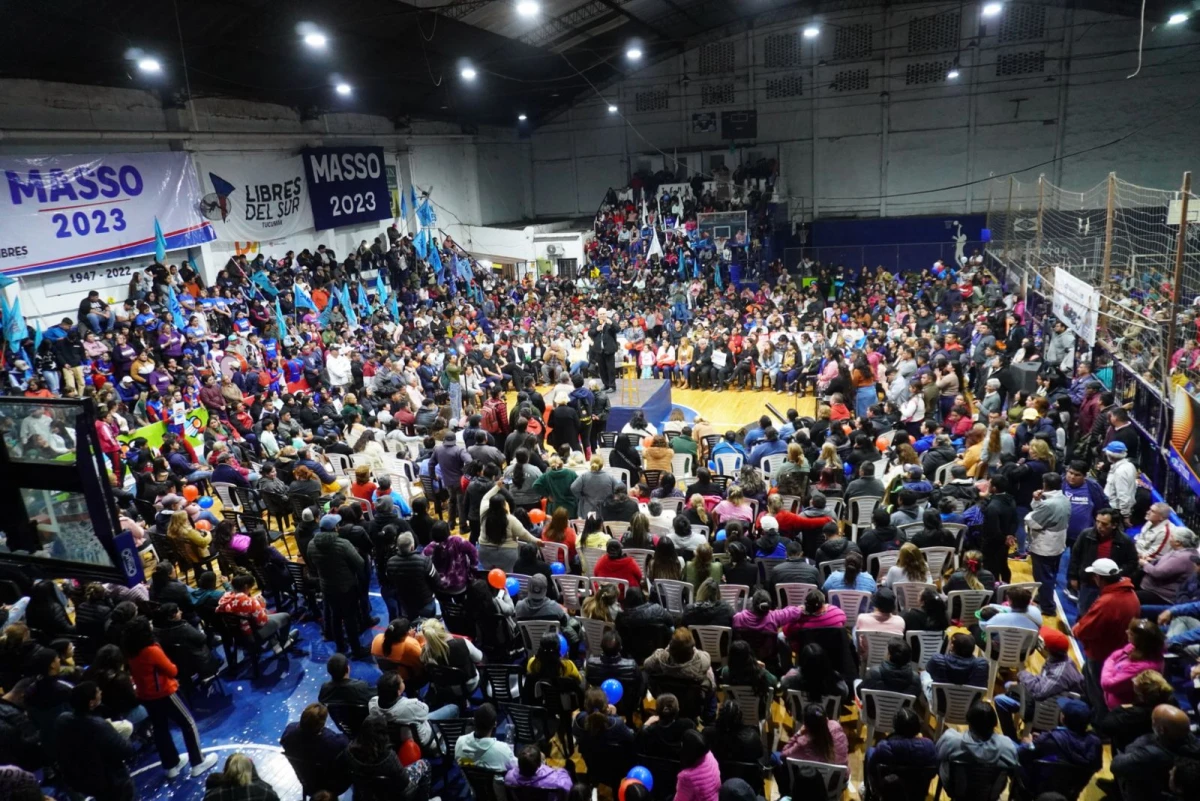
point(254, 196)
point(71, 210)
point(347, 186)
point(1077, 304)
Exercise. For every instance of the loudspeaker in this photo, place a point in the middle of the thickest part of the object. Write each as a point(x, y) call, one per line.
point(1024, 376)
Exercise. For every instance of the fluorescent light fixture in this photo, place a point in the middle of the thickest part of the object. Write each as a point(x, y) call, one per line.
point(343, 89)
point(149, 65)
point(812, 32)
point(612, 109)
point(992, 9)
point(468, 73)
point(1178, 18)
point(521, 117)
point(952, 74)
point(633, 53)
point(528, 8)
point(316, 40)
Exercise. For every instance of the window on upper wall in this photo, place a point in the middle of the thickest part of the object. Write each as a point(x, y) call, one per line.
point(651, 100)
point(717, 94)
point(1030, 62)
point(716, 58)
point(853, 41)
point(785, 86)
point(1022, 22)
point(926, 72)
point(781, 50)
point(852, 80)
point(935, 32)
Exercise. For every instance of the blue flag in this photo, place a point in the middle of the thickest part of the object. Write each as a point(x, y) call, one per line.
point(348, 307)
point(425, 214)
point(15, 329)
point(435, 261)
point(412, 192)
point(680, 265)
point(177, 315)
point(421, 244)
point(462, 266)
point(37, 335)
point(717, 275)
point(363, 303)
point(381, 292)
point(263, 281)
point(6, 281)
point(403, 205)
point(393, 309)
point(280, 321)
point(323, 320)
point(302, 298)
point(160, 243)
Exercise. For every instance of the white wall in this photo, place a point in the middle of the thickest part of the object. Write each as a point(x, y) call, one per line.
point(878, 150)
point(479, 179)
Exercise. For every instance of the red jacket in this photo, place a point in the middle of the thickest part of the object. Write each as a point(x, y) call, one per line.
point(790, 522)
point(153, 674)
point(1102, 630)
point(623, 568)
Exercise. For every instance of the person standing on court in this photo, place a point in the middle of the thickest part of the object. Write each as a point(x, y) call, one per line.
point(604, 349)
point(338, 567)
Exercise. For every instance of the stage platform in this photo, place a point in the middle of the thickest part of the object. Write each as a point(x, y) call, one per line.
point(652, 397)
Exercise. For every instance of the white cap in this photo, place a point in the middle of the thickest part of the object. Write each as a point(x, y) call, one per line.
point(1103, 567)
point(769, 522)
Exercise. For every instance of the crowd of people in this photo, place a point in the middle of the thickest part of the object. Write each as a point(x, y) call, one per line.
point(381, 423)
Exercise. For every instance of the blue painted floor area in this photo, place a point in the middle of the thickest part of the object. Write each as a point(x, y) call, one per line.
point(253, 716)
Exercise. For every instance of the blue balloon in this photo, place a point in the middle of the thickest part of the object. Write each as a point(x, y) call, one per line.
point(612, 690)
point(562, 646)
point(848, 469)
point(513, 586)
point(641, 774)
point(205, 501)
point(721, 535)
point(558, 568)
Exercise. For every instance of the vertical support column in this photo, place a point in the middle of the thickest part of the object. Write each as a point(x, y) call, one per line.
point(1109, 214)
point(1008, 232)
point(1180, 251)
point(1037, 240)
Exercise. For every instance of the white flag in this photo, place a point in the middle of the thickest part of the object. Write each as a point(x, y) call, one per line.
point(655, 245)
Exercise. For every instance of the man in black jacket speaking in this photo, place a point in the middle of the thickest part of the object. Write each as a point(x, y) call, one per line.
point(604, 349)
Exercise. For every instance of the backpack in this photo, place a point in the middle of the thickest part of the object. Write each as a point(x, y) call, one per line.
point(585, 411)
point(489, 421)
point(535, 425)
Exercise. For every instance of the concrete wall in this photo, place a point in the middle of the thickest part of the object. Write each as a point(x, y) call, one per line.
point(888, 145)
point(475, 179)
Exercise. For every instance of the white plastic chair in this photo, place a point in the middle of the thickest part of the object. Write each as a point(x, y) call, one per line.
point(879, 708)
point(604, 453)
point(522, 582)
point(555, 552)
point(728, 464)
point(832, 566)
point(571, 591)
point(532, 631)
point(578, 524)
point(925, 644)
point(1046, 713)
point(878, 564)
point(619, 583)
point(908, 593)
point(674, 595)
point(836, 778)
point(619, 473)
point(225, 494)
point(951, 702)
point(735, 595)
point(593, 633)
point(683, 466)
point(340, 463)
point(909, 530)
point(714, 641)
point(1007, 646)
point(873, 648)
point(797, 700)
point(640, 555)
point(860, 510)
point(590, 557)
point(968, 602)
point(616, 529)
point(793, 593)
point(672, 504)
point(836, 507)
point(769, 464)
point(701, 530)
point(792, 503)
point(938, 557)
point(1002, 590)
point(852, 602)
point(942, 474)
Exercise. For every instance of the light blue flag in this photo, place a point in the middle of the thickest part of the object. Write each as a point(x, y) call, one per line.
point(302, 298)
point(421, 244)
point(160, 243)
point(425, 214)
point(381, 292)
point(6, 281)
point(348, 307)
point(263, 281)
point(280, 321)
point(176, 310)
point(393, 309)
point(37, 335)
point(680, 265)
point(412, 191)
point(323, 320)
point(435, 261)
point(403, 205)
point(363, 303)
point(717, 275)
point(15, 329)
point(462, 266)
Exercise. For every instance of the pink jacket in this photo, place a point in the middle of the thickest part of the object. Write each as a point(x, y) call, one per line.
point(1116, 677)
point(701, 783)
point(772, 621)
point(799, 747)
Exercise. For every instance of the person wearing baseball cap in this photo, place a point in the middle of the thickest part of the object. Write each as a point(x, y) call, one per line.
point(1104, 539)
point(1069, 744)
point(1102, 629)
point(1121, 486)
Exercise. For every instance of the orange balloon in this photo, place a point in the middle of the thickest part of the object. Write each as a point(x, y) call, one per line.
point(203, 525)
point(191, 493)
point(409, 753)
point(882, 444)
point(537, 516)
point(497, 577)
point(625, 783)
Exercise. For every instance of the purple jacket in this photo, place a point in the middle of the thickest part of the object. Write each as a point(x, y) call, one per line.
point(771, 621)
point(1165, 575)
point(453, 559)
point(546, 778)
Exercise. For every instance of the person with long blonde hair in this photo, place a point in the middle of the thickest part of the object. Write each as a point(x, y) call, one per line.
point(829, 458)
point(911, 565)
point(443, 649)
point(602, 604)
point(697, 513)
point(191, 544)
point(734, 507)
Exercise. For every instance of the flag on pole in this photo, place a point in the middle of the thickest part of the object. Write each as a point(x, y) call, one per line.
point(263, 281)
point(303, 299)
point(717, 275)
point(421, 243)
point(435, 261)
point(6, 281)
point(680, 265)
point(37, 335)
point(380, 288)
point(160, 243)
point(280, 322)
point(15, 329)
point(327, 313)
point(348, 307)
point(426, 214)
point(363, 303)
point(176, 310)
point(393, 309)
point(403, 206)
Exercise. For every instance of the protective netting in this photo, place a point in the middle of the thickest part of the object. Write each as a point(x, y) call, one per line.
point(1121, 239)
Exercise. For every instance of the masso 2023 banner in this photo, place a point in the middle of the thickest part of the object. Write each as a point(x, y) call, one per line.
point(69, 210)
point(347, 186)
